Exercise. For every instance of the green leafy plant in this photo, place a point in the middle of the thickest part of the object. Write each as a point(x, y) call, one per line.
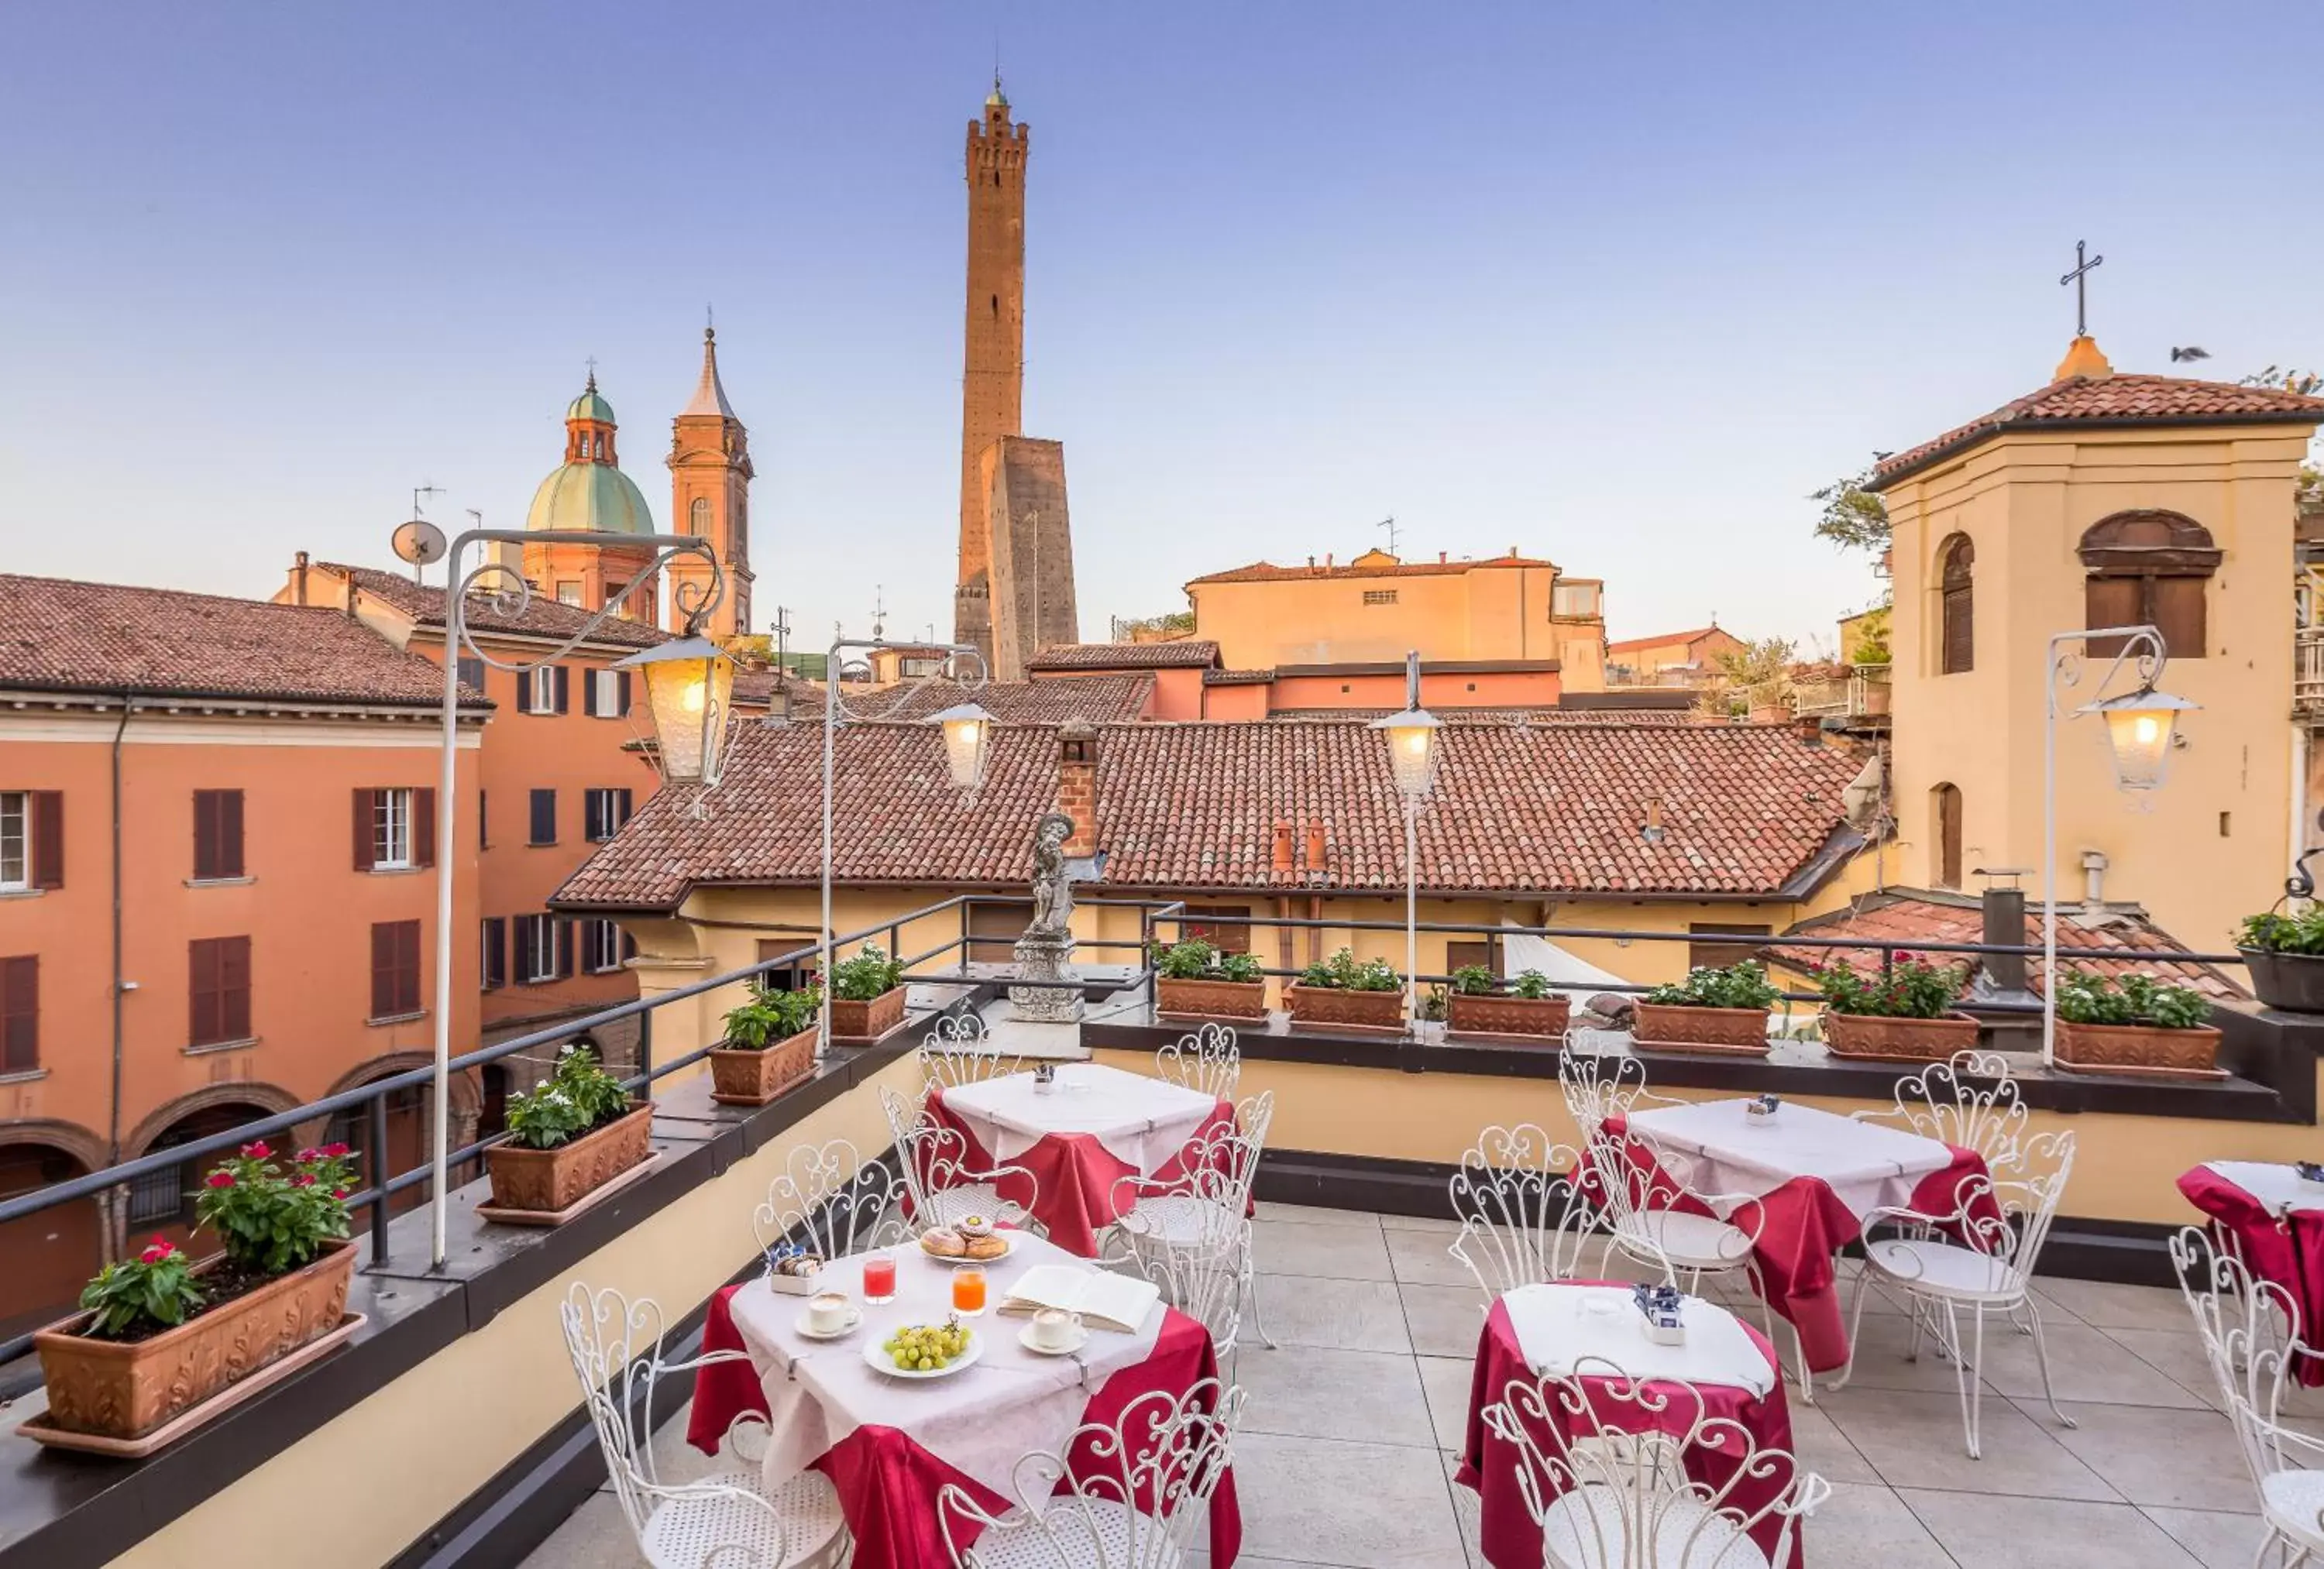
point(772, 1017)
point(1474, 980)
point(271, 1220)
point(866, 976)
point(1435, 1003)
point(1871, 644)
point(1243, 968)
point(2273, 933)
point(1341, 972)
point(1192, 959)
point(1531, 985)
point(579, 1096)
point(1913, 989)
point(2085, 998)
point(1738, 986)
point(155, 1291)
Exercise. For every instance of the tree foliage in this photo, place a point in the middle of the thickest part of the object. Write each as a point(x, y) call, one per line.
point(1757, 676)
point(1853, 518)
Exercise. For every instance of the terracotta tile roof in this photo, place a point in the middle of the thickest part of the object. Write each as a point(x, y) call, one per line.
point(1237, 677)
point(1100, 699)
point(1268, 572)
point(59, 635)
point(2113, 401)
point(1197, 653)
point(542, 617)
point(1665, 639)
point(1904, 917)
point(1748, 811)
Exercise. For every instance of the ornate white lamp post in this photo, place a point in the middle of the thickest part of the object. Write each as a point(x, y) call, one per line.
point(2140, 726)
point(1412, 748)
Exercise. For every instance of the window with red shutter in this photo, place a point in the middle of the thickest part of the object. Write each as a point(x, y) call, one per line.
point(218, 990)
point(20, 1013)
point(1957, 608)
point(2149, 567)
point(217, 834)
point(394, 968)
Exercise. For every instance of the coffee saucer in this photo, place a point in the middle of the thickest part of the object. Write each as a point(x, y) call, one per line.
point(807, 1330)
point(1079, 1338)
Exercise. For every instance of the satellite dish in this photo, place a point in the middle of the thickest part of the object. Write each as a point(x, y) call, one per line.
point(419, 541)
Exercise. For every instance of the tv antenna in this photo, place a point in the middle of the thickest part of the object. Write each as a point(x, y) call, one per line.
point(1389, 523)
point(879, 610)
point(419, 541)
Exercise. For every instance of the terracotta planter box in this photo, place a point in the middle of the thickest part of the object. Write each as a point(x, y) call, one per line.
point(1718, 1028)
point(740, 1076)
point(862, 1021)
point(2291, 982)
point(1875, 1039)
point(555, 1179)
point(1521, 1018)
point(2139, 1049)
point(125, 1389)
point(1210, 999)
point(1349, 1010)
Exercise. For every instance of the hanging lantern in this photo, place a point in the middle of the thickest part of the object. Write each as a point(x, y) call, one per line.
point(1412, 750)
point(689, 687)
point(2141, 726)
point(967, 738)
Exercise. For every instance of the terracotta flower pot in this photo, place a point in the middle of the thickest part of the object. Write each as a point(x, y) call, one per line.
point(1719, 1028)
point(2291, 982)
point(1349, 1010)
point(1210, 999)
point(554, 1180)
point(863, 1022)
point(1873, 1038)
point(1541, 1019)
point(753, 1076)
point(2138, 1049)
point(126, 1389)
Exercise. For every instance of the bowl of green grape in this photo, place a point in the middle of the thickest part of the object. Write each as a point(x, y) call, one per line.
point(924, 1351)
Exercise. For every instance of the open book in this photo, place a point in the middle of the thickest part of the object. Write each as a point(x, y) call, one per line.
point(1104, 1300)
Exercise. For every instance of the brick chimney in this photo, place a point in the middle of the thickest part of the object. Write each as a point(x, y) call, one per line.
point(2004, 925)
point(1280, 859)
point(299, 596)
point(1077, 784)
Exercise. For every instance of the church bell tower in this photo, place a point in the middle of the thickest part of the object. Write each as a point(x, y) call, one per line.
point(993, 381)
point(710, 498)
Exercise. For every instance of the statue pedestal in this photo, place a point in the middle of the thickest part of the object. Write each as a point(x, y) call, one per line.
point(1045, 956)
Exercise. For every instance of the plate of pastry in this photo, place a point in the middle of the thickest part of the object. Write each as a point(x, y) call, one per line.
point(970, 1239)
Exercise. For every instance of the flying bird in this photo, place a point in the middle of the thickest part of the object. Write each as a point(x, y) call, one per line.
point(2190, 353)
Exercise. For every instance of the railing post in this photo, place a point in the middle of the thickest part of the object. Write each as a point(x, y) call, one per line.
point(377, 1112)
point(645, 1050)
point(962, 964)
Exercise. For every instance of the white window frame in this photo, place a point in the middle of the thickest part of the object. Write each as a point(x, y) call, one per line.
point(539, 947)
point(392, 849)
point(542, 698)
point(15, 841)
point(598, 933)
point(569, 586)
point(608, 683)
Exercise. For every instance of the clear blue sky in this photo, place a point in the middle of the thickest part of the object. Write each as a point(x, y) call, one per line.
point(1615, 284)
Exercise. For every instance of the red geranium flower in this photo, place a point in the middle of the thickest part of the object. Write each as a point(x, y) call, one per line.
point(304, 1179)
point(256, 1150)
point(221, 1179)
point(338, 1193)
point(160, 1249)
point(332, 1151)
point(307, 1155)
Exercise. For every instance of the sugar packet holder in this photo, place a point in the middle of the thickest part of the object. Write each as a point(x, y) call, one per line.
point(1662, 1313)
point(794, 1270)
point(1760, 1108)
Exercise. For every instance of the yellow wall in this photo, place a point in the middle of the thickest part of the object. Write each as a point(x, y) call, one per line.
point(2214, 843)
point(1485, 613)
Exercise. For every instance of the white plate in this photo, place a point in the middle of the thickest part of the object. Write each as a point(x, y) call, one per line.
point(1009, 1237)
point(1081, 1338)
point(807, 1331)
point(877, 1354)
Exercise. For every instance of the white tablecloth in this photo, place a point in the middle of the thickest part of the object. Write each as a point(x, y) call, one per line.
point(1559, 1328)
point(1141, 1122)
point(1868, 1165)
point(981, 1420)
point(2274, 1186)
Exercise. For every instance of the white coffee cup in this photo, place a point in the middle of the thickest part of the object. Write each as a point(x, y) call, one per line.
point(828, 1312)
point(1054, 1328)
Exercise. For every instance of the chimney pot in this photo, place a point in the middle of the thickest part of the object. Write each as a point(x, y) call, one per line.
point(2005, 922)
point(300, 594)
point(1281, 858)
point(1077, 784)
point(1315, 850)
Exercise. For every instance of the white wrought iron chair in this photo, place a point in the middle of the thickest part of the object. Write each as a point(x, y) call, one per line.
point(725, 1519)
point(1136, 1496)
point(960, 1051)
point(1602, 1470)
point(1201, 1208)
point(1521, 1221)
point(1209, 1060)
point(1602, 1084)
point(1638, 1207)
point(1941, 1103)
point(1975, 1259)
point(944, 1182)
point(2251, 1335)
point(831, 1202)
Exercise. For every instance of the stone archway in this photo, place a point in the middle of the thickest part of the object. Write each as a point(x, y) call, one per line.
point(268, 1100)
point(45, 1258)
point(410, 1131)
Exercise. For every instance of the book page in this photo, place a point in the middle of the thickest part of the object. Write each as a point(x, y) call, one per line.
point(1104, 1300)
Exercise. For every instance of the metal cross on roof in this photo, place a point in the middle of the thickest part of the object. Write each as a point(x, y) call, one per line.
point(2078, 277)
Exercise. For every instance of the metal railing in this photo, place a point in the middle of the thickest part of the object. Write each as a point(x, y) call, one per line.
point(2307, 673)
point(1861, 694)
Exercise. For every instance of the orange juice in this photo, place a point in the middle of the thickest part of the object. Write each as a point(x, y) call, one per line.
point(968, 1290)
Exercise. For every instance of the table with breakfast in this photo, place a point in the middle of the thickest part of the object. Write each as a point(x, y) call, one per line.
point(899, 1371)
point(1078, 1129)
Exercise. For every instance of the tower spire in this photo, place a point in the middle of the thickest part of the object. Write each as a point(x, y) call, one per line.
point(710, 395)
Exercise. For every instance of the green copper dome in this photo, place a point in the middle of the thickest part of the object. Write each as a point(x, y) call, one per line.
point(591, 405)
point(595, 496)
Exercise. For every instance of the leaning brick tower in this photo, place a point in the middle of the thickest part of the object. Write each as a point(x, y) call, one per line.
point(993, 379)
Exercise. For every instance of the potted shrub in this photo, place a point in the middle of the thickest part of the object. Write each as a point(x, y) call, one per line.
point(770, 1046)
point(2137, 1026)
point(867, 996)
point(1906, 1015)
point(1340, 991)
point(1717, 1010)
point(568, 1135)
point(159, 1334)
point(1525, 1009)
point(2285, 955)
point(1195, 979)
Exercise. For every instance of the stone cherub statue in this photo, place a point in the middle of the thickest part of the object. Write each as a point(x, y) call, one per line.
point(1045, 953)
point(1052, 892)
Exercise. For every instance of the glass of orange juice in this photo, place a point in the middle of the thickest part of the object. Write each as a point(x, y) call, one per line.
point(968, 1290)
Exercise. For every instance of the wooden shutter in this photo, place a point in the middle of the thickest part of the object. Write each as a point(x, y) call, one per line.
point(1957, 608)
point(204, 1022)
point(628, 946)
point(423, 828)
point(622, 692)
point(494, 965)
point(2178, 613)
point(229, 833)
point(564, 688)
point(366, 806)
point(382, 968)
point(589, 692)
point(234, 988)
point(1949, 836)
point(2110, 601)
point(623, 795)
point(406, 965)
point(543, 829)
point(48, 839)
point(217, 833)
point(524, 691)
point(20, 1013)
point(484, 835)
point(564, 944)
point(206, 844)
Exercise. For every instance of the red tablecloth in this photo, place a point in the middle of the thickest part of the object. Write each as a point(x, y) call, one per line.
point(2287, 1250)
point(888, 1484)
point(1800, 1228)
point(1489, 1463)
point(1074, 1176)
